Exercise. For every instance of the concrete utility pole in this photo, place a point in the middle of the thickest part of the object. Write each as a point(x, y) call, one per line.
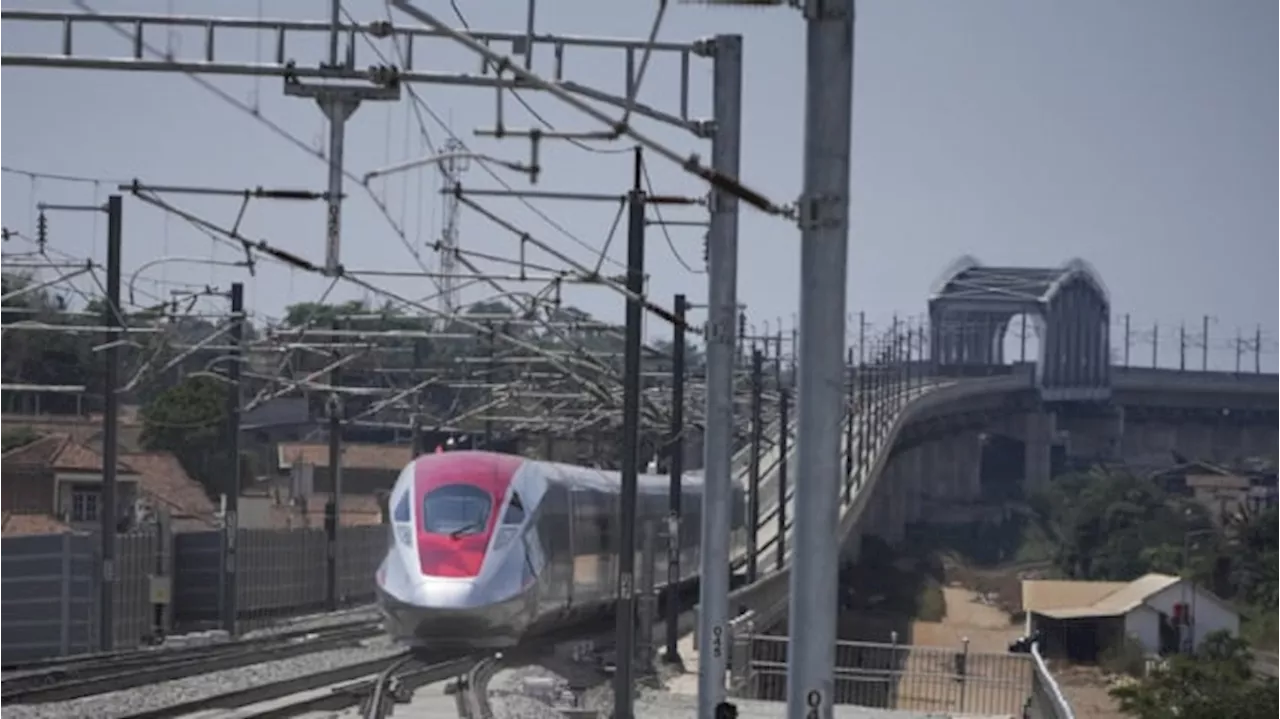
point(109, 514)
point(784, 461)
point(722, 300)
point(333, 509)
point(623, 688)
point(675, 447)
point(231, 520)
point(824, 247)
point(753, 490)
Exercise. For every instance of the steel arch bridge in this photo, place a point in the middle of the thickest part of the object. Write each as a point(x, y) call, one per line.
point(972, 305)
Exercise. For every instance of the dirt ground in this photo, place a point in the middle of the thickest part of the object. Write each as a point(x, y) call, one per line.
point(980, 605)
point(1086, 690)
point(988, 628)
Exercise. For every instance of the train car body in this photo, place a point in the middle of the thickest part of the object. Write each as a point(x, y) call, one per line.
point(488, 549)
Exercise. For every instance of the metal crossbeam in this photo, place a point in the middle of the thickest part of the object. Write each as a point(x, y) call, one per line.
point(213, 61)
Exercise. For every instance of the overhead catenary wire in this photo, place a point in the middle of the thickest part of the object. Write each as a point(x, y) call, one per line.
point(533, 303)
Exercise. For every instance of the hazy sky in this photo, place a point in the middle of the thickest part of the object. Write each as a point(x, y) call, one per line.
point(1138, 135)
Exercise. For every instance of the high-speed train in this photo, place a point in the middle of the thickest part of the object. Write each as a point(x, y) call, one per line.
point(488, 549)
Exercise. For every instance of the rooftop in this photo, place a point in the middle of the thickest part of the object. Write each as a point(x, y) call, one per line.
point(60, 452)
point(392, 457)
point(160, 477)
point(1075, 600)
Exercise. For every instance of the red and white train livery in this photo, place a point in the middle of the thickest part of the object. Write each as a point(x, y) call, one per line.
point(489, 548)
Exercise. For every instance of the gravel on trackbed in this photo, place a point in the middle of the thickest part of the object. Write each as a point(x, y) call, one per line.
point(157, 696)
point(312, 621)
point(367, 612)
point(512, 693)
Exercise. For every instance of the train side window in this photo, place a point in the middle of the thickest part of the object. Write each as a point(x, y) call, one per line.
point(584, 536)
point(515, 510)
point(402, 509)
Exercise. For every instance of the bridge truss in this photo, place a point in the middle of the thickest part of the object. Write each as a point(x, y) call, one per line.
point(972, 306)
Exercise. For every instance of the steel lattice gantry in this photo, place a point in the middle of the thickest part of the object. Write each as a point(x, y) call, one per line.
point(971, 307)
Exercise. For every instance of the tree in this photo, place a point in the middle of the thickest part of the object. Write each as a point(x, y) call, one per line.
point(319, 314)
point(190, 420)
point(1115, 526)
point(1218, 681)
point(44, 357)
point(18, 437)
point(1250, 556)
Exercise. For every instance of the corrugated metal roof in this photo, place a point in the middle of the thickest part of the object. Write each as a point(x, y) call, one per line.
point(1042, 595)
point(1134, 593)
point(1124, 598)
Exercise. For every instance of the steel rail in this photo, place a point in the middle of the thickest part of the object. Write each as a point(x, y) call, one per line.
point(18, 671)
point(109, 674)
point(334, 679)
point(281, 700)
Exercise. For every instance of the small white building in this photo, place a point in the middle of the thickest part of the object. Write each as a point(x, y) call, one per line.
point(1162, 613)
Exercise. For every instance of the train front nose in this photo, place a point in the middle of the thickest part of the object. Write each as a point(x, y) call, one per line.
point(446, 594)
point(454, 612)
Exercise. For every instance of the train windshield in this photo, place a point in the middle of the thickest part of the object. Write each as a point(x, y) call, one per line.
point(456, 510)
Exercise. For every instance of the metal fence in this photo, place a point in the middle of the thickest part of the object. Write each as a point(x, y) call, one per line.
point(170, 583)
point(901, 676)
point(48, 596)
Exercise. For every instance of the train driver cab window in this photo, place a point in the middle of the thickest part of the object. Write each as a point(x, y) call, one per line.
point(456, 510)
point(515, 510)
point(401, 513)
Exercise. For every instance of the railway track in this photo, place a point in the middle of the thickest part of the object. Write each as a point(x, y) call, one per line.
point(98, 674)
point(375, 685)
point(371, 683)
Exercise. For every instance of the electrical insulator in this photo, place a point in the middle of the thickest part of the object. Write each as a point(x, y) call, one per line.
point(42, 228)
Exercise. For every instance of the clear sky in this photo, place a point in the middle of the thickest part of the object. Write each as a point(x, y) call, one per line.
point(1138, 135)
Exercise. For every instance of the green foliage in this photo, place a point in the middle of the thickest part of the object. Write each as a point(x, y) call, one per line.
point(18, 437)
point(931, 603)
point(1259, 627)
point(190, 420)
point(43, 357)
point(458, 352)
point(1125, 657)
point(320, 315)
point(1216, 682)
point(1115, 526)
point(1251, 554)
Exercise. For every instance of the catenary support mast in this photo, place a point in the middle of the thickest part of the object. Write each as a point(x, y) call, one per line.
point(824, 225)
point(722, 298)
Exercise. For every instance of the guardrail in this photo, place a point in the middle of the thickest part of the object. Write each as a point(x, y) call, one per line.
point(1046, 700)
point(766, 599)
point(931, 395)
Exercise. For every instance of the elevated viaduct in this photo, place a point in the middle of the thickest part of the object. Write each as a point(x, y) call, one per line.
point(1068, 406)
point(920, 451)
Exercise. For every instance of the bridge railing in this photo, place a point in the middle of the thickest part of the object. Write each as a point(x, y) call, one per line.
point(1046, 700)
point(766, 599)
point(889, 675)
